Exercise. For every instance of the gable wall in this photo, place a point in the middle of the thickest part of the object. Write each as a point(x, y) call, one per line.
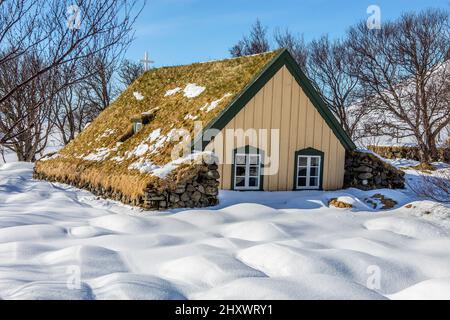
point(282, 104)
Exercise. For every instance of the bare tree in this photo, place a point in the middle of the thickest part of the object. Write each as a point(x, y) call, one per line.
point(80, 103)
point(256, 42)
point(92, 27)
point(28, 108)
point(100, 88)
point(18, 19)
point(329, 68)
point(294, 43)
point(72, 111)
point(2, 153)
point(71, 116)
point(403, 67)
point(129, 71)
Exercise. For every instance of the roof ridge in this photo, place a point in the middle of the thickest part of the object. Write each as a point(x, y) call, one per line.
point(216, 60)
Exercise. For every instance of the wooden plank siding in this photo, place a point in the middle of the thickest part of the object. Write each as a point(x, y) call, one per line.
point(281, 104)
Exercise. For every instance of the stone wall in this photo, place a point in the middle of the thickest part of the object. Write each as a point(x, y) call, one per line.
point(396, 152)
point(200, 190)
point(366, 171)
point(198, 187)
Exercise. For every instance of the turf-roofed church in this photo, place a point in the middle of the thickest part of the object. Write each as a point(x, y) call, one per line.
point(127, 153)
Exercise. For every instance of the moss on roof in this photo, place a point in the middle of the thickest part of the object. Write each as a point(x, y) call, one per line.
point(97, 156)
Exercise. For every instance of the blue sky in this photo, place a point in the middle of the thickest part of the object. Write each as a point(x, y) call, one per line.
point(185, 31)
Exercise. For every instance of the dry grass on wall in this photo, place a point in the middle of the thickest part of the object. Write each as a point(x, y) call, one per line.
point(131, 184)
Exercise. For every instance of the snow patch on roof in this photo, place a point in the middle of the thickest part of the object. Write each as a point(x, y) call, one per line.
point(154, 135)
point(143, 166)
point(174, 133)
point(118, 159)
point(192, 90)
point(150, 112)
point(147, 166)
point(190, 117)
point(211, 106)
point(158, 144)
point(106, 134)
point(98, 155)
point(138, 96)
point(155, 138)
point(141, 149)
point(172, 92)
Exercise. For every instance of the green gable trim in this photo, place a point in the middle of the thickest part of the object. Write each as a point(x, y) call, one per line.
point(309, 152)
point(284, 58)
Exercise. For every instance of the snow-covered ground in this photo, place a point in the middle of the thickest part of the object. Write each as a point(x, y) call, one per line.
point(54, 144)
point(58, 242)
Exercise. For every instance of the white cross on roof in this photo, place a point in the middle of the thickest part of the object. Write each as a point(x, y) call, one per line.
point(146, 61)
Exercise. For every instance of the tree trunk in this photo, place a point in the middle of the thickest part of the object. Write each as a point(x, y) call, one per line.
point(433, 150)
point(20, 156)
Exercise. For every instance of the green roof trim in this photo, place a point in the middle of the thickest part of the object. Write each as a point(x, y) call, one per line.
point(283, 58)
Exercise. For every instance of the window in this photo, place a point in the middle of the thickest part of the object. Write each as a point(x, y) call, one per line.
point(247, 171)
point(137, 126)
point(308, 172)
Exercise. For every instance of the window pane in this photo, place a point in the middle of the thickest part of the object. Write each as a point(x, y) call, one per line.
point(240, 171)
point(240, 182)
point(137, 126)
point(240, 159)
point(314, 182)
point(254, 172)
point(302, 172)
point(302, 182)
point(303, 161)
point(253, 182)
point(254, 159)
point(314, 172)
point(315, 161)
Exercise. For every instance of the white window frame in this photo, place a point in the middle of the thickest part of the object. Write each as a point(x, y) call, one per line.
point(308, 172)
point(137, 126)
point(247, 171)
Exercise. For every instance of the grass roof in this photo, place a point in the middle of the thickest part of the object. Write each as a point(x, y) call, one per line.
point(169, 98)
